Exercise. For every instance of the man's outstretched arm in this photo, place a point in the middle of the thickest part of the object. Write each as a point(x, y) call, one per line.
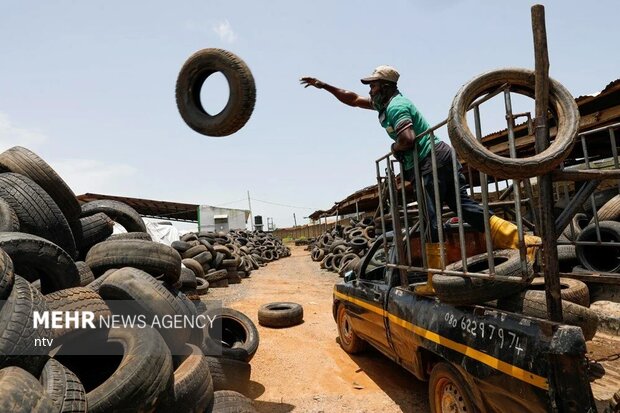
point(345, 96)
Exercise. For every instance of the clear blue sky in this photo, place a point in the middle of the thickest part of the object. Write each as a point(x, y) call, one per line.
point(89, 86)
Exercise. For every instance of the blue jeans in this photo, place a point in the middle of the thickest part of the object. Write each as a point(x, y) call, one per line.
point(473, 213)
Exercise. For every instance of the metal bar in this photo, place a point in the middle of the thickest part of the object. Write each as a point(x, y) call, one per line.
point(381, 211)
point(398, 242)
point(406, 218)
point(515, 183)
point(484, 185)
point(590, 132)
point(614, 151)
point(421, 205)
point(459, 210)
point(438, 216)
point(597, 277)
point(586, 160)
point(585, 174)
point(528, 185)
point(541, 94)
point(571, 209)
point(486, 276)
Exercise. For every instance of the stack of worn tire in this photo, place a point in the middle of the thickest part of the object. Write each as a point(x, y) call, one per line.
point(218, 259)
point(43, 230)
point(340, 249)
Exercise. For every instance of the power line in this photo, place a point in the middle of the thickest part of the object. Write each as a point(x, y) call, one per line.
point(232, 202)
point(283, 205)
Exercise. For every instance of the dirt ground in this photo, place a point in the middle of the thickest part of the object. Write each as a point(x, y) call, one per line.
point(303, 368)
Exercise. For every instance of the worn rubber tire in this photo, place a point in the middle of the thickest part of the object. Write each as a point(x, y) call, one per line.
point(118, 211)
point(445, 378)
point(63, 387)
point(464, 291)
point(227, 401)
point(98, 281)
point(571, 290)
point(187, 279)
point(37, 212)
point(86, 274)
point(159, 260)
point(216, 276)
point(240, 105)
point(21, 392)
point(229, 374)
point(193, 251)
point(93, 229)
point(280, 314)
point(131, 235)
point(151, 298)
point(610, 211)
point(230, 334)
point(522, 81)
point(579, 221)
point(598, 258)
point(567, 257)
point(193, 384)
point(35, 257)
point(77, 299)
point(141, 381)
point(8, 218)
point(7, 275)
point(202, 286)
point(23, 161)
point(17, 332)
point(348, 339)
point(533, 303)
point(194, 266)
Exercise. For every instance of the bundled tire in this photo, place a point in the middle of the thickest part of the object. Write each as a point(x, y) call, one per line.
point(280, 314)
point(240, 105)
point(471, 290)
point(230, 334)
point(522, 81)
point(37, 212)
point(118, 211)
point(159, 260)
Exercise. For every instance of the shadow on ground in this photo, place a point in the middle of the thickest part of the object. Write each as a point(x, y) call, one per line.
point(272, 407)
point(409, 393)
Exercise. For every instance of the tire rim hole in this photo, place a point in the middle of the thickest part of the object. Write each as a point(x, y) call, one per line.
point(214, 94)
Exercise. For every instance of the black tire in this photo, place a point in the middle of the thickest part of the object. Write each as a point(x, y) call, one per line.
point(280, 314)
point(78, 299)
point(21, 392)
point(63, 388)
point(464, 291)
point(226, 401)
point(230, 334)
point(37, 212)
point(567, 257)
point(571, 290)
point(7, 275)
point(93, 229)
point(561, 102)
point(533, 303)
point(118, 211)
point(598, 258)
point(141, 380)
point(187, 279)
point(159, 260)
point(8, 218)
point(348, 339)
point(34, 257)
point(229, 374)
point(193, 385)
point(610, 211)
point(242, 98)
point(194, 266)
point(23, 161)
point(180, 246)
point(131, 235)
point(97, 283)
point(216, 276)
point(202, 286)
point(86, 274)
point(193, 251)
point(579, 221)
point(151, 298)
point(17, 331)
point(446, 386)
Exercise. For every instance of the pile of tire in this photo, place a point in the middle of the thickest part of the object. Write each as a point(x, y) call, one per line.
point(43, 230)
point(340, 249)
point(219, 259)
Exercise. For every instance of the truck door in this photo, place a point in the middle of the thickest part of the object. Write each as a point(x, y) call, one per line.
point(372, 289)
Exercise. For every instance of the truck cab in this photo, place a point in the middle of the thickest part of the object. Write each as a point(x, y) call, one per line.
point(476, 358)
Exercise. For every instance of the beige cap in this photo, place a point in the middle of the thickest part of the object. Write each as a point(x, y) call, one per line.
point(382, 72)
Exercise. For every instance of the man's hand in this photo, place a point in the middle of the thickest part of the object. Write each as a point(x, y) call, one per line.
point(399, 155)
point(311, 81)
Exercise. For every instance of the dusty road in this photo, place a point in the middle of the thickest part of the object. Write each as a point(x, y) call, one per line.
point(303, 369)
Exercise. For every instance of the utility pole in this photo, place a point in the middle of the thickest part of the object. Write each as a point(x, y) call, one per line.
point(294, 219)
point(250, 206)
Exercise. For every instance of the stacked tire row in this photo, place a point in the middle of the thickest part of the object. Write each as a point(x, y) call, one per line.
point(340, 250)
point(43, 230)
point(217, 259)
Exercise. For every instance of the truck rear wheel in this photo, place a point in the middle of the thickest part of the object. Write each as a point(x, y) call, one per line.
point(448, 392)
point(349, 341)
